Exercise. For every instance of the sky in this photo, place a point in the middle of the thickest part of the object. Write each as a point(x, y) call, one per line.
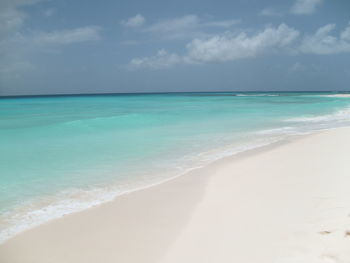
point(88, 46)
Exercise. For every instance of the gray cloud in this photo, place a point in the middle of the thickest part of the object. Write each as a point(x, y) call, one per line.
point(11, 21)
point(269, 11)
point(230, 46)
point(10, 17)
point(224, 47)
point(16, 46)
point(49, 12)
point(67, 36)
point(297, 67)
point(161, 60)
point(305, 7)
point(186, 26)
point(323, 43)
point(135, 21)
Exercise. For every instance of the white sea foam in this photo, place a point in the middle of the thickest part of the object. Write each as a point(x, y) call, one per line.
point(345, 95)
point(257, 95)
point(339, 116)
point(76, 200)
point(284, 131)
point(24, 218)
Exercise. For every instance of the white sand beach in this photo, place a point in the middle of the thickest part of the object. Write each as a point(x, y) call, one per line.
point(285, 203)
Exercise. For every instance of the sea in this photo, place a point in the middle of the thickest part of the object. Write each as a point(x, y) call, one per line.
point(64, 154)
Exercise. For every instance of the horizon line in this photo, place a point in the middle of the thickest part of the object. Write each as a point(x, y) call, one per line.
point(168, 92)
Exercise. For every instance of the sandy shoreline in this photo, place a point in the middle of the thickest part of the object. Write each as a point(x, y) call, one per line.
point(289, 203)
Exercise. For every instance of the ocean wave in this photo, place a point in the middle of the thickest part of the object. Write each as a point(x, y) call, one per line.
point(76, 200)
point(37, 212)
point(336, 95)
point(257, 95)
point(338, 116)
point(283, 131)
point(30, 215)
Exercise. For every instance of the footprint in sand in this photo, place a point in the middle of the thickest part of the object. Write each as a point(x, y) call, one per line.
point(330, 258)
point(325, 232)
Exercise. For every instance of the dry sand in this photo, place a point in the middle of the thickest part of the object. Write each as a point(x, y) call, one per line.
point(287, 203)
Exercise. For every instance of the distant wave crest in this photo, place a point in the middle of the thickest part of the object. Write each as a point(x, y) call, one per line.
point(257, 95)
point(338, 116)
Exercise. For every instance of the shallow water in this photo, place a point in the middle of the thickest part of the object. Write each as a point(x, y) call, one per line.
point(63, 154)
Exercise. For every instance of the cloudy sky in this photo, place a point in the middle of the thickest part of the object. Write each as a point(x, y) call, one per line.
point(87, 46)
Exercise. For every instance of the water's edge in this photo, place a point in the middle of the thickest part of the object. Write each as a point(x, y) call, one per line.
point(62, 155)
point(17, 230)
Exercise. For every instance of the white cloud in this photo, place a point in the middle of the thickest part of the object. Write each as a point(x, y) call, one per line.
point(135, 21)
point(224, 47)
point(230, 47)
point(269, 11)
point(48, 12)
point(10, 20)
point(186, 26)
point(222, 23)
point(15, 50)
point(323, 43)
point(305, 7)
point(297, 67)
point(17, 46)
point(161, 60)
point(174, 25)
point(16, 3)
point(68, 36)
point(345, 35)
point(129, 42)
point(14, 68)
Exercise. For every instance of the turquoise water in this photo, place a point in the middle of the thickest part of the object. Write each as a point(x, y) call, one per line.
point(63, 154)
